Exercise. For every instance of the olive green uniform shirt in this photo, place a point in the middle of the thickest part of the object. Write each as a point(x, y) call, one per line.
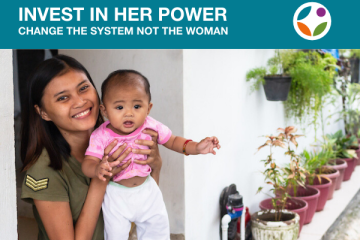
point(67, 185)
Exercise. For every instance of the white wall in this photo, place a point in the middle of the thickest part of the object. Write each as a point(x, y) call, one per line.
point(217, 102)
point(8, 221)
point(163, 68)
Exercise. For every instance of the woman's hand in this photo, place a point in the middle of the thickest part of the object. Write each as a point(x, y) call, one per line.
point(116, 158)
point(154, 159)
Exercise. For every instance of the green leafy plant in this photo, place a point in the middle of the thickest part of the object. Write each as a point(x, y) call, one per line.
point(312, 77)
point(344, 145)
point(314, 163)
point(329, 155)
point(274, 67)
point(294, 171)
point(353, 53)
point(349, 113)
point(280, 178)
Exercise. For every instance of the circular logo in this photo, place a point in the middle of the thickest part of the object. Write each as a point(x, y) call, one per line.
point(312, 21)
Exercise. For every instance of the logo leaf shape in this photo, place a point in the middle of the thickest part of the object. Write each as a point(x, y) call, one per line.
point(304, 29)
point(320, 28)
point(304, 13)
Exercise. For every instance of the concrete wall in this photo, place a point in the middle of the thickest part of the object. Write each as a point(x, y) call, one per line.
point(217, 102)
point(163, 68)
point(8, 223)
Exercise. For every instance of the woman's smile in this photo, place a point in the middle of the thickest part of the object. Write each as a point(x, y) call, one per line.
point(83, 114)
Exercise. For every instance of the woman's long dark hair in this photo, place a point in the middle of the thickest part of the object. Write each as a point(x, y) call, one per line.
point(36, 133)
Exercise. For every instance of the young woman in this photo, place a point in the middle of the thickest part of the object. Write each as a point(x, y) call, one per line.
point(62, 110)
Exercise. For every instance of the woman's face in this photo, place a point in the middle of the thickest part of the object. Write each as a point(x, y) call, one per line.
point(71, 102)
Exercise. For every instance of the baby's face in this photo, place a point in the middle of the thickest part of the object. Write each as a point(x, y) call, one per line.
point(126, 107)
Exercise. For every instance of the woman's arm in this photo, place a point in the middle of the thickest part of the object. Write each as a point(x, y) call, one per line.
point(57, 217)
point(154, 159)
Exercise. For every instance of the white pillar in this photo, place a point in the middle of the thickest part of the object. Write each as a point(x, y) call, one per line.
point(8, 221)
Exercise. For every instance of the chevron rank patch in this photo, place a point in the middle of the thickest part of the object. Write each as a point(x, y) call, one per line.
point(36, 185)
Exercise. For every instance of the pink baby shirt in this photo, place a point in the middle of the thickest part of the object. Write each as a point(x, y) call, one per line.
point(103, 136)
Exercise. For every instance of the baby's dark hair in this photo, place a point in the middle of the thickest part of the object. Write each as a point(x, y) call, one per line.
point(123, 77)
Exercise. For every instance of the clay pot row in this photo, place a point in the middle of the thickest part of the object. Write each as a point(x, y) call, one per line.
point(313, 198)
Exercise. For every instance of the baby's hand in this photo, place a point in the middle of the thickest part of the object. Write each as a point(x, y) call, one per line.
point(207, 145)
point(103, 169)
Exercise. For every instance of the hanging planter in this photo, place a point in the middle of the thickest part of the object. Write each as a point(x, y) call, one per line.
point(277, 87)
point(276, 82)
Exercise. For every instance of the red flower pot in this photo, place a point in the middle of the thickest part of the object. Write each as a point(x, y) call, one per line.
point(309, 195)
point(324, 187)
point(358, 153)
point(350, 168)
point(340, 165)
point(334, 177)
point(295, 205)
point(358, 157)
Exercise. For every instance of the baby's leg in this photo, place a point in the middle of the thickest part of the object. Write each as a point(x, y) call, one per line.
point(117, 213)
point(152, 222)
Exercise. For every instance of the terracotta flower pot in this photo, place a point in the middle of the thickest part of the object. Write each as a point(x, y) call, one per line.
point(350, 168)
point(309, 195)
point(334, 176)
point(324, 187)
point(340, 165)
point(292, 204)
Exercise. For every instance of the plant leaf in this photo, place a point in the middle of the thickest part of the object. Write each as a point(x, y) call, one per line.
point(320, 28)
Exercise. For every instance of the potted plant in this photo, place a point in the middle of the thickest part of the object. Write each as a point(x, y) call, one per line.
point(266, 224)
point(276, 83)
point(296, 175)
point(312, 162)
point(344, 152)
point(326, 155)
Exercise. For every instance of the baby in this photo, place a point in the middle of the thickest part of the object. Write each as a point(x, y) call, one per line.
point(132, 195)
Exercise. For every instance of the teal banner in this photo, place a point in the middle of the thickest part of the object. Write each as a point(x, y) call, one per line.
point(179, 24)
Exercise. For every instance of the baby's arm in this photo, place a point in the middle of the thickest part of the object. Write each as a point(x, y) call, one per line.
point(205, 146)
point(94, 167)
